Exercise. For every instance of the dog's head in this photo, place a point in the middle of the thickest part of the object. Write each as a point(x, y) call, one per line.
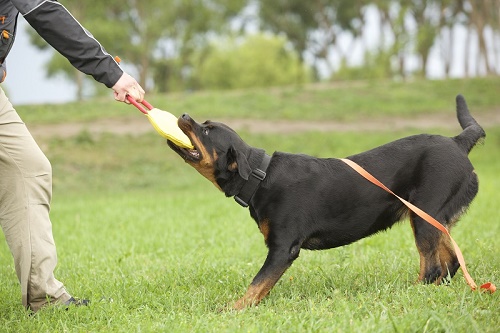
point(219, 154)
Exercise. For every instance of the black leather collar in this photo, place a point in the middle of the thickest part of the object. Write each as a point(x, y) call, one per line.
point(250, 187)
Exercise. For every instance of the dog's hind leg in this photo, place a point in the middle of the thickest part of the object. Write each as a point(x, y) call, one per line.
point(437, 257)
point(277, 262)
point(427, 239)
point(447, 258)
point(438, 260)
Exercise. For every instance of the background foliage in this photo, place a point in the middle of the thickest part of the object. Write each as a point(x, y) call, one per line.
point(171, 44)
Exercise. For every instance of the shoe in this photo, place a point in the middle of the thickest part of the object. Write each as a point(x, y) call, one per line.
point(77, 302)
point(70, 302)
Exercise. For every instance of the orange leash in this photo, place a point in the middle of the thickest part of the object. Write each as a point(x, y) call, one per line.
point(487, 286)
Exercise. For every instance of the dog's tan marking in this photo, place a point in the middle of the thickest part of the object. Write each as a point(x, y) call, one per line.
point(264, 228)
point(440, 254)
point(206, 165)
point(254, 294)
point(423, 261)
point(258, 290)
point(233, 166)
point(447, 257)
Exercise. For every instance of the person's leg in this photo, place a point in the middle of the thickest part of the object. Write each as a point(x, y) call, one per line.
point(25, 194)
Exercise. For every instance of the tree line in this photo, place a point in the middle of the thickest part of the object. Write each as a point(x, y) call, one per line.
point(224, 44)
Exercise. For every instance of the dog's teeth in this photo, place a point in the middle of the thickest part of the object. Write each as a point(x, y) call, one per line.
point(194, 153)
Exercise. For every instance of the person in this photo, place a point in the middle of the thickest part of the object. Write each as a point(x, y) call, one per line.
point(25, 172)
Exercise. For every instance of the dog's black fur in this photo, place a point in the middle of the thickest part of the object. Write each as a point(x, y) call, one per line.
point(314, 203)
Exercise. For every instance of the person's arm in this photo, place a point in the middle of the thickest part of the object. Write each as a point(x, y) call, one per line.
point(55, 24)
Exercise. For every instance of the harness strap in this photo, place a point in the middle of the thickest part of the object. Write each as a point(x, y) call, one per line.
point(487, 286)
point(253, 182)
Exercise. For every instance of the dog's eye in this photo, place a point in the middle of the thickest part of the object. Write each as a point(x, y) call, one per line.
point(205, 131)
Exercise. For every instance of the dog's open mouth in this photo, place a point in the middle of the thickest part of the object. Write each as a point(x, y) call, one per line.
point(187, 154)
point(193, 155)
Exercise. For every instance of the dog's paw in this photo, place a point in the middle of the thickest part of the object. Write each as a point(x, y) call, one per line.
point(243, 303)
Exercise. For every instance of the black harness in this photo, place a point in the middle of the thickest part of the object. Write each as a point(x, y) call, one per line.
point(252, 184)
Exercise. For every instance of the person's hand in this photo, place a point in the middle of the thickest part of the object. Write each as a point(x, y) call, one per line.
point(127, 85)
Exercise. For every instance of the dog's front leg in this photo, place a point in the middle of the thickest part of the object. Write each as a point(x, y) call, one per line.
point(277, 262)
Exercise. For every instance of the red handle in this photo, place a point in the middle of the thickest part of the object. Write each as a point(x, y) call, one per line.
point(139, 106)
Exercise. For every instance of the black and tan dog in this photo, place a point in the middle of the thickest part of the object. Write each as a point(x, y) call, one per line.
point(303, 202)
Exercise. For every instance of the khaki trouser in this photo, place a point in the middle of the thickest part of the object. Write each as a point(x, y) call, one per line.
point(25, 194)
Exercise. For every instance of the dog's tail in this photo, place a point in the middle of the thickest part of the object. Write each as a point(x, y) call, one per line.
point(472, 132)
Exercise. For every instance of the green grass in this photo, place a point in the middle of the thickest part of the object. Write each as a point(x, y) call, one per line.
point(157, 248)
point(339, 101)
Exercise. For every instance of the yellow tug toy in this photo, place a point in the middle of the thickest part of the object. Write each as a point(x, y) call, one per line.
point(164, 123)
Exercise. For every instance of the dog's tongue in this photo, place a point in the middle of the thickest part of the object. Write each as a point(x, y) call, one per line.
point(165, 123)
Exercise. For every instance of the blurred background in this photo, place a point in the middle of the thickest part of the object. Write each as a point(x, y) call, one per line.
point(192, 45)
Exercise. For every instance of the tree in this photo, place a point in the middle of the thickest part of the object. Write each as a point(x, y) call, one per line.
point(168, 41)
point(450, 16)
point(295, 18)
point(315, 26)
point(257, 61)
point(141, 32)
point(426, 15)
point(191, 25)
point(481, 14)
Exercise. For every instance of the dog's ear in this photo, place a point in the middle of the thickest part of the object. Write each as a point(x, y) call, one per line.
point(237, 160)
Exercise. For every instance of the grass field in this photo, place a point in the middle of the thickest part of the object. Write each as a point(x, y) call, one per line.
point(344, 101)
point(158, 249)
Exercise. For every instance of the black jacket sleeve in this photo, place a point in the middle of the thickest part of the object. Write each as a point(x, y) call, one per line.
point(63, 32)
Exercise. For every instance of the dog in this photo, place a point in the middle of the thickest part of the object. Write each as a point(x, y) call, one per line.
point(304, 202)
